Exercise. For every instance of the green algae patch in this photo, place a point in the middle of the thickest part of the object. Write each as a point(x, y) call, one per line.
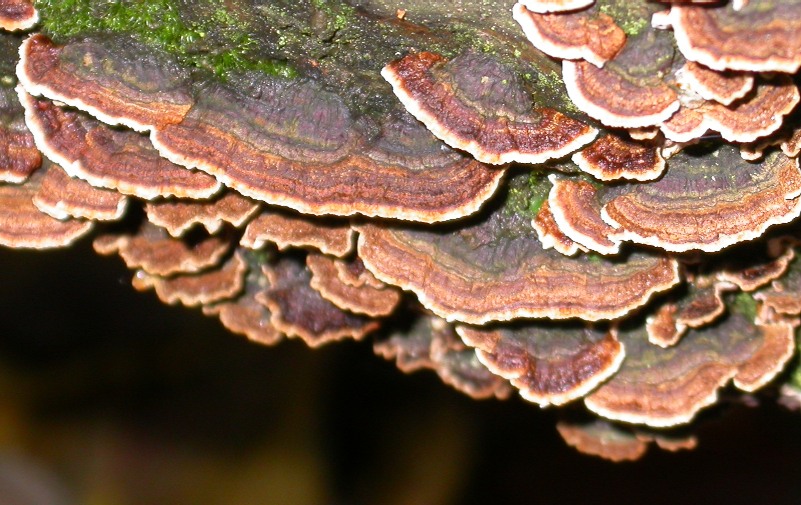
point(632, 16)
point(743, 303)
point(527, 193)
point(161, 24)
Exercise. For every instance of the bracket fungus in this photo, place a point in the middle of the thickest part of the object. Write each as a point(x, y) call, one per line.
point(496, 270)
point(19, 156)
point(288, 230)
point(590, 35)
point(669, 388)
point(432, 343)
point(595, 233)
point(476, 104)
point(551, 365)
point(106, 158)
point(23, 225)
point(17, 14)
point(762, 36)
point(62, 196)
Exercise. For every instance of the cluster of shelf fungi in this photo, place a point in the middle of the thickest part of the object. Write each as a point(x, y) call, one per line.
point(621, 238)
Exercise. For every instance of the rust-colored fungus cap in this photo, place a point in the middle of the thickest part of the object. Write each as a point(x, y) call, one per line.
point(616, 443)
point(296, 145)
point(288, 229)
point(783, 295)
point(707, 200)
point(17, 14)
point(614, 157)
point(555, 5)
point(476, 104)
point(244, 315)
point(19, 156)
point(668, 387)
point(550, 364)
point(299, 311)
point(576, 211)
point(580, 35)
point(701, 304)
point(349, 286)
point(178, 216)
point(630, 91)
point(603, 439)
point(23, 225)
point(155, 252)
point(109, 158)
point(762, 36)
point(760, 112)
point(792, 145)
point(61, 196)
point(685, 125)
point(758, 269)
point(115, 79)
point(549, 233)
point(432, 343)
point(496, 270)
point(721, 86)
point(209, 286)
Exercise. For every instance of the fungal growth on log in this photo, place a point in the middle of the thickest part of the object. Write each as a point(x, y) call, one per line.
point(584, 202)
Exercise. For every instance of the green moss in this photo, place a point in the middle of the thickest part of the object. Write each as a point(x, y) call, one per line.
point(743, 303)
point(336, 14)
point(632, 16)
point(527, 194)
point(160, 23)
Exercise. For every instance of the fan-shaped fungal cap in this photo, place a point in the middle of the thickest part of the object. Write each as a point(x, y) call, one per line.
point(177, 216)
point(109, 158)
point(603, 439)
point(550, 364)
point(495, 270)
point(722, 87)
point(763, 36)
point(615, 443)
point(432, 343)
point(297, 146)
point(299, 311)
point(629, 91)
point(758, 114)
point(245, 315)
point(474, 103)
point(587, 34)
point(205, 287)
point(155, 252)
point(612, 157)
point(577, 212)
point(22, 225)
point(755, 271)
point(117, 80)
point(740, 201)
point(17, 14)
point(792, 145)
point(19, 156)
point(668, 387)
point(285, 229)
point(549, 233)
point(555, 5)
point(783, 296)
point(685, 125)
point(350, 286)
point(702, 304)
point(61, 196)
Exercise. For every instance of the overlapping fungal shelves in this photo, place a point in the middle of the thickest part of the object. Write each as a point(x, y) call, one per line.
point(592, 204)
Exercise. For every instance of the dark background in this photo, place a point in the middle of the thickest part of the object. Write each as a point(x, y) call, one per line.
point(108, 396)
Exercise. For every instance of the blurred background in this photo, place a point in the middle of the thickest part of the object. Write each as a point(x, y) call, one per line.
point(108, 397)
